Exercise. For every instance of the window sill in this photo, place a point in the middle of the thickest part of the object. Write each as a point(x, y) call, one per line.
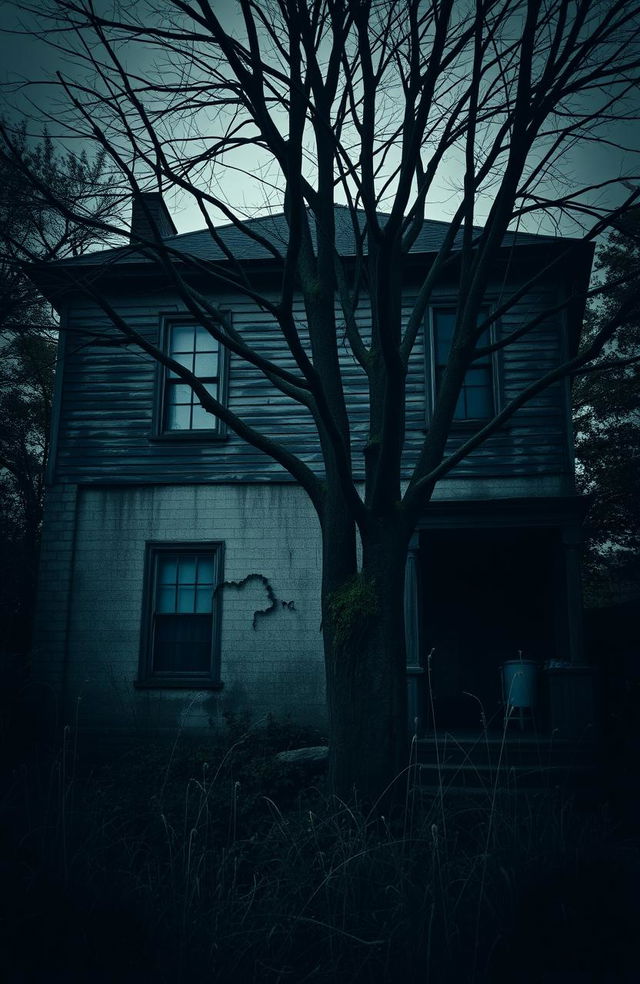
point(460, 426)
point(156, 684)
point(470, 424)
point(188, 437)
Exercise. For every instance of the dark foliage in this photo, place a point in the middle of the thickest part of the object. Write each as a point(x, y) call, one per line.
point(607, 422)
point(214, 862)
point(30, 228)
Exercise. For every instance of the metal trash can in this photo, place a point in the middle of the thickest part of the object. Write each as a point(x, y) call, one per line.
point(520, 686)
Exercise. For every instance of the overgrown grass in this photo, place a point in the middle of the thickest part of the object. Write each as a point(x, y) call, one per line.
point(215, 863)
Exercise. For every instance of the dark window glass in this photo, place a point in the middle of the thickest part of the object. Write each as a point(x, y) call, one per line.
point(183, 613)
point(475, 401)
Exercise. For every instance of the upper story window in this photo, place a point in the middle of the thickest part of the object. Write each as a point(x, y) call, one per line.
point(477, 397)
point(192, 346)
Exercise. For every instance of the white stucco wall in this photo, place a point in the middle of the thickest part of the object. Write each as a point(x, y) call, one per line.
point(276, 668)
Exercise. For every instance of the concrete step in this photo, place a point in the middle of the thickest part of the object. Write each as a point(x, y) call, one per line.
point(516, 762)
point(486, 779)
point(510, 752)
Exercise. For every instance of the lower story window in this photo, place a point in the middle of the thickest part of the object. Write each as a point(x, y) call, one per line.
point(181, 640)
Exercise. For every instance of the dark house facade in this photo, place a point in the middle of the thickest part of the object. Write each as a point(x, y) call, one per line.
point(165, 533)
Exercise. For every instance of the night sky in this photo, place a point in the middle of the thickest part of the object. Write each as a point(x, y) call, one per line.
point(26, 58)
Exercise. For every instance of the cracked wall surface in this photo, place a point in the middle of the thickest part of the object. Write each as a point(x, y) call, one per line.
point(91, 602)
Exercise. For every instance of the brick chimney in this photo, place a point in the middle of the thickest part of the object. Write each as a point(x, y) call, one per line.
point(150, 202)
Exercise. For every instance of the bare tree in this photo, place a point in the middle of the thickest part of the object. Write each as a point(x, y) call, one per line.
point(378, 106)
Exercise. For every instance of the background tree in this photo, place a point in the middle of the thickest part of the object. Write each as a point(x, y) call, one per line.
point(31, 227)
point(378, 106)
point(607, 422)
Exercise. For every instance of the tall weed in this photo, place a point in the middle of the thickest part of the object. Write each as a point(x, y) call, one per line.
point(215, 862)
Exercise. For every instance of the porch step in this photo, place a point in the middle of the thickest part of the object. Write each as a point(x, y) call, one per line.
point(522, 761)
point(484, 780)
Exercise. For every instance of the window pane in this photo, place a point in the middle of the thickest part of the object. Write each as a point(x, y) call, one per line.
point(178, 418)
point(186, 600)
point(182, 338)
point(179, 393)
point(182, 643)
point(194, 348)
point(185, 359)
point(445, 322)
point(460, 411)
point(166, 598)
point(204, 599)
point(476, 397)
point(478, 402)
point(207, 364)
point(167, 570)
point(200, 656)
point(204, 341)
point(187, 570)
point(205, 570)
point(182, 619)
point(201, 419)
point(478, 377)
point(442, 354)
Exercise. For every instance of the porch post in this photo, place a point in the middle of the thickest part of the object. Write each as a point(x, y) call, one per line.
point(415, 671)
point(572, 571)
point(572, 697)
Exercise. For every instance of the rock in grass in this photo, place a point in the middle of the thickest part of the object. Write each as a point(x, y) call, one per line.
point(316, 755)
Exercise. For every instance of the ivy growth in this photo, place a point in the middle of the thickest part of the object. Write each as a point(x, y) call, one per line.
point(350, 606)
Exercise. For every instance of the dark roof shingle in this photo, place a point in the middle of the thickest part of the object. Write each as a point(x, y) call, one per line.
point(273, 228)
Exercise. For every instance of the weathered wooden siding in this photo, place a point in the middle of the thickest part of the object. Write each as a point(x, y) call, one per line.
point(106, 414)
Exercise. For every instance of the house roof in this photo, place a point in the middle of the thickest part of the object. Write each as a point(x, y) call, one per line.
point(244, 244)
point(55, 278)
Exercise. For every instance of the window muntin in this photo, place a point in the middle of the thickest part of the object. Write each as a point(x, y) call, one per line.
point(476, 398)
point(193, 347)
point(181, 645)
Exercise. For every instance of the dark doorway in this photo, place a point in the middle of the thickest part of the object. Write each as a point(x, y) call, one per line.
point(487, 594)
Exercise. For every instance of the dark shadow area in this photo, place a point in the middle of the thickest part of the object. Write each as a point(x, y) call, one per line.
point(487, 596)
point(213, 860)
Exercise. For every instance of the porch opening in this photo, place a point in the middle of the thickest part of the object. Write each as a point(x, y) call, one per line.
point(486, 595)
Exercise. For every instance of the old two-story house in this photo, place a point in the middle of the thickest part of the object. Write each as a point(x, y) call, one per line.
point(157, 515)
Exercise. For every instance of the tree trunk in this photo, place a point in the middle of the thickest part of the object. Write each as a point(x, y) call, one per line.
point(363, 620)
